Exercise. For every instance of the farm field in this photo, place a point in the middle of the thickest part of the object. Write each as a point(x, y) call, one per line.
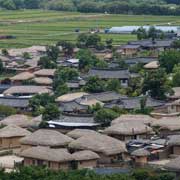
point(40, 27)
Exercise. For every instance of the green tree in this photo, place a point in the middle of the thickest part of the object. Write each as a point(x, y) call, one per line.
point(62, 75)
point(113, 85)
point(155, 82)
point(4, 52)
point(47, 63)
point(26, 55)
point(52, 52)
point(1, 67)
point(105, 116)
point(95, 85)
point(51, 111)
point(67, 47)
point(109, 43)
point(61, 89)
point(169, 59)
point(38, 102)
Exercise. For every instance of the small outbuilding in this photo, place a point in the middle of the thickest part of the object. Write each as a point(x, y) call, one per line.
point(85, 159)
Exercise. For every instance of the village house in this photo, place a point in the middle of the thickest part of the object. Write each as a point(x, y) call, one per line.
point(167, 126)
point(27, 91)
point(174, 145)
point(174, 166)
point(45, 137)
point(10, 136)
point(21, 77)
point(176, 94)
point(126, 131)
point(85, 159)
point(174, 107)
point(140, 156)
point(68, 122)
point(21, 121)
point(56, 159)
point(45, 73)
point(129, 50)
point(109, 149)
point(77, 133)
point(139, 118)
point(15, 102)
point(43, 81)
point(123, 75)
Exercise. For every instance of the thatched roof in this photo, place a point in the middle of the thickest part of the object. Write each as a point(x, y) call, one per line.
point(13, 131)
point(77, 133)
point(90, 102)
point(22, 76)
point(70, 96)
point(20, 120)
point(174, 140)
point(173, 165)
point(45, 137)
point(43, 80)
point(48, 154)
point(152, 65)
point(168, 123)
point(45, 72)
point(85, 155)
point(99, 143)
point(137, 118)
point(176, 94)
point(27, 90)
point(140, 152)
point(128, 128)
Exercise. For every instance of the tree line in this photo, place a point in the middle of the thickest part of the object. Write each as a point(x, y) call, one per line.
point(159, 7)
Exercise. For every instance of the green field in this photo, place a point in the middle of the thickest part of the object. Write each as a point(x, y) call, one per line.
point(39, 27)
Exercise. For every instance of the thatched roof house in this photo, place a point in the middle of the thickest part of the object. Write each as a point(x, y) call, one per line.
point(176, 94)
point(48, 154)
point(152, 65)
point(100, 144)
point(77, 133)
point(21, 120)
point(43, 80)
point(45, 137)
point(130, 118)
point(174, 140)
point(26, 90)
point(168, 123)
point(13, 131)
point(140, 153)
point(85, 155)
point(22, 76)
point(70, 97)
point(45, 72)
point(128, 128)
point(173, 165)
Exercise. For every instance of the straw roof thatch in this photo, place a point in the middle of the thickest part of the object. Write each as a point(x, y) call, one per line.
point(70, 97)
point(48, 154)
point(140, 152)
point(90, 102)
point(45, 137)
point(137, 118)
point(13, 131)
point(168, 123)
point(176, 94)
point(152, 65)
point(43, 80)
point(174, 140)
point(27, 90)
point(85, 155)
point(173, 165)
point(20, 120)
point(22, 76)
point(100, 144)
point(128, 128)
point(45, 72)
point(77, 133)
